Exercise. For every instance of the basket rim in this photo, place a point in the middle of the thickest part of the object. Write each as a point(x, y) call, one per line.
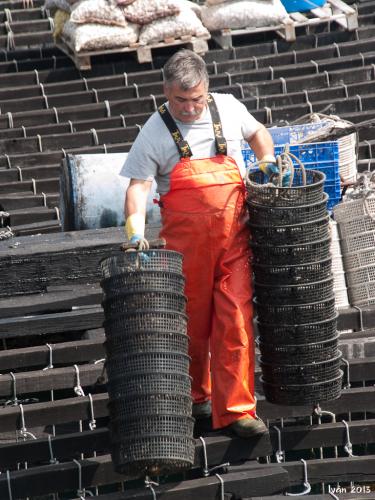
point(318, 363)
point(300, 325)
point(321, 383)
point(142, 312)
point(295, 286)
point(268, 185)
point(302, 264)
point(330, 299)
point(143, 353)
point(283, 227)
point(323, 201)
point(125, 376)
point(154, 250)
point(323, 240)
point(308, 344)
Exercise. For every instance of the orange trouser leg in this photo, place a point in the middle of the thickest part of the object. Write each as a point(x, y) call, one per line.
point(198, 267)
point(232, 343)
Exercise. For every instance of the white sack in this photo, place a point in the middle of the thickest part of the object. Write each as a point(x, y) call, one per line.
point(243, 14)
point(185, 23)
point(97, 12)
point(98, 36)
point(146, 11)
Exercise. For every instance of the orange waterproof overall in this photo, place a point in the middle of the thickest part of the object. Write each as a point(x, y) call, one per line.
point(203, 217)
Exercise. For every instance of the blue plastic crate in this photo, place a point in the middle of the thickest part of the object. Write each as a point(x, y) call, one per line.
point(322, 156)
point(295, 133)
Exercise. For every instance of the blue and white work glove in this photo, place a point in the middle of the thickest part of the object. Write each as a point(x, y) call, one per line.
point(269, 167)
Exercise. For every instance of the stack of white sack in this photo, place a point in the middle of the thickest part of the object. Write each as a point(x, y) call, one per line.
point(111, 24)
point(236, 14)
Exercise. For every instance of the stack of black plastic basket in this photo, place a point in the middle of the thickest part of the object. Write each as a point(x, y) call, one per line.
point(147, 362)
point(293, 287)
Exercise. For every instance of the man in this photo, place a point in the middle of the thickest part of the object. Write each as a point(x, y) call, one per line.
point(192, 147)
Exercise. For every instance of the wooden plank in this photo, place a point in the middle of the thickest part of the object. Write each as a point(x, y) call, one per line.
point(79, 319)
point(78, 351)
point(74, 409)
point(220, 449)
point(47, 380)
point(99, 471)
point(57, 299)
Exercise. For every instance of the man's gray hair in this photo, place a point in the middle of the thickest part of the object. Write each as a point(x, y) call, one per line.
point(186, 68)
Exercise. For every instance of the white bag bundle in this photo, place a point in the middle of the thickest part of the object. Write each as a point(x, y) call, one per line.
point(146, 11)
point(190, 5)
point(185, 23)
point(97, 11)
point(243, 14)
point(98, 36)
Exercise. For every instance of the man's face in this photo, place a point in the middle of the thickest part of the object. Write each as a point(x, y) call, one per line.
point(186, 105)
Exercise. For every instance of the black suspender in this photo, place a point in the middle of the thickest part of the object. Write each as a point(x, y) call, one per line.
point(182, 145)
point(220, 142)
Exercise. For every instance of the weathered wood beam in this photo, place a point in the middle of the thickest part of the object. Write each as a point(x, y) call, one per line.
point(78, 351)
point(99, 471)
point(47, 380)
point(219, 448)
point(73, 409)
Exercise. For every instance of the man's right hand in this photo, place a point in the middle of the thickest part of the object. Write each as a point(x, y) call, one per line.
point(140, 241)
point(269, 167)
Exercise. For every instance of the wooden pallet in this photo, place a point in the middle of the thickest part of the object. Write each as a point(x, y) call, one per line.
point(332, 10)
point(82, 60)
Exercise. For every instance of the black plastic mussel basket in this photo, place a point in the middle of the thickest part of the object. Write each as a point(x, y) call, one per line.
point(149, 386)
point(293, 287)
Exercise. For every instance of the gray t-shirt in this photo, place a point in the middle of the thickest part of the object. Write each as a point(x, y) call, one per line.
point(154, 153)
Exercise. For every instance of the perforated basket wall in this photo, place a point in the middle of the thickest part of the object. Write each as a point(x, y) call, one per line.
point(259, 190)
point(299, 354)
point(361, 295)
point(360, 275)
point(363, 224)
point(153, 455)
point(359, 259)
point(139, 342)
point(300, 253)
point(146, 320)
point(279, 216)
point(139, 363)
point(143, 281)
point(303, 394)
point(294, 234)
point(354, 209)
point(294, 294)
point(147, 260)
point(301, 374)
point(148, 383)
point(296, 314)
point(298, 334)
point(293, 274)
point(171, 404)
point(131, 302)
point(357, 242)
